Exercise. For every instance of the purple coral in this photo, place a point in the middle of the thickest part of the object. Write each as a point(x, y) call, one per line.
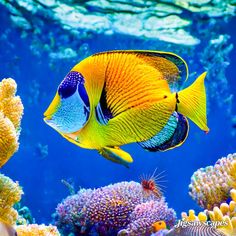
point(70, 214)
point(111, 208)
point(145, 214)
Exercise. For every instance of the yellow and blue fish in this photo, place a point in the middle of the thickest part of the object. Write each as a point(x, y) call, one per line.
point(118, 97)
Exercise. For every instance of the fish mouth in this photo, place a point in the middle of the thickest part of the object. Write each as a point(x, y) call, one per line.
point(47, 118)
point(50, 122)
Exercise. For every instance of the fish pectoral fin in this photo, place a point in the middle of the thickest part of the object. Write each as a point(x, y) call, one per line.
point(116, 155)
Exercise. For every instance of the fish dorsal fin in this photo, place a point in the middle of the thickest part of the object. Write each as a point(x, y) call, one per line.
point(172, 135)
point(173, 67)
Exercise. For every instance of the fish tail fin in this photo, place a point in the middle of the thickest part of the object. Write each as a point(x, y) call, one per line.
point(192, 102)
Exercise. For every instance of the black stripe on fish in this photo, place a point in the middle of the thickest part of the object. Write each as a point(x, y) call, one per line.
point(103, 113)
point(69, 84)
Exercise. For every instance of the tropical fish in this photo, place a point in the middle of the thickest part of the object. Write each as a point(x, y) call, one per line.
point(159, 225)
point(7, 230)
point(119, 97)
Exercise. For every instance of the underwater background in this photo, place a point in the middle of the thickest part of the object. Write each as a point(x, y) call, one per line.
point(40, 41)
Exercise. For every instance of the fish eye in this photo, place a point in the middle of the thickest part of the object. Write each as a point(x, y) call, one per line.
point(69, 85)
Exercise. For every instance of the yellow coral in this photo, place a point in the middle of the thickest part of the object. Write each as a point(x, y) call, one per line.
point(227, 213)
point(10, 193)
point(11, 111)
point(37, 230)
point(192, 217)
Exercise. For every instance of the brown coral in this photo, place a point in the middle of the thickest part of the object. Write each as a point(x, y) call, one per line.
point(10, 193)
point(37, 230)
point(11, 111)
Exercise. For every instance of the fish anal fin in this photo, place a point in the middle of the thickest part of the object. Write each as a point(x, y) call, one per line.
point(116, 155)
point(172, 135)
point(179, 136)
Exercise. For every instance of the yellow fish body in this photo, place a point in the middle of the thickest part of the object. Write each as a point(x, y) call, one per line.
point(118, 97)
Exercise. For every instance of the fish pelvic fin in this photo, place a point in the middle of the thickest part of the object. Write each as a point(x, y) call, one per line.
point(117, 155)
point(191, 102)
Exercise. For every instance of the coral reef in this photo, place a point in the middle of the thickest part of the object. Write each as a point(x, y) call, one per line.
point(11, 110)
point(214, 188)
point(108, 209)
point(210, 186)
point(37, 230)
point(10, 193)
point(225, 212)
point(145, 214)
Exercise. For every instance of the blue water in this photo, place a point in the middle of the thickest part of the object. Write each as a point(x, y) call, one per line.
point(40, 172)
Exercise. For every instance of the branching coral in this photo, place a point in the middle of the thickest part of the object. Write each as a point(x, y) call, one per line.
point(107, 209)
point(211, 185)
point(37, 230)
point(10, 193)
point(11, 110)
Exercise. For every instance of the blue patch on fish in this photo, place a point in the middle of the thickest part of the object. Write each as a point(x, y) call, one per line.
point(69, 85)
point(74, 110)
